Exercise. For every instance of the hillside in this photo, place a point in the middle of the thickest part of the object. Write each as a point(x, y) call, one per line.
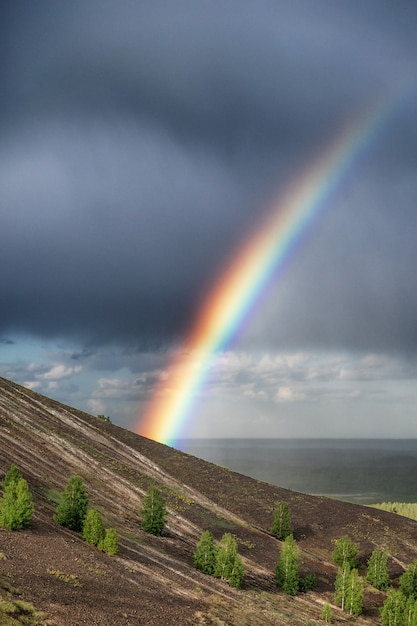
point(152, 580)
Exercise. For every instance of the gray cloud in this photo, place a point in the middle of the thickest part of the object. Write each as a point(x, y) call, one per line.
point(139, 145)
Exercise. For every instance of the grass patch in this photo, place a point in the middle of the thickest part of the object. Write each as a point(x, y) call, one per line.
point(71, 579)
point(406, 509)
point(7, 586)
point(92, 568)
point(15, 611)
point(179, 502)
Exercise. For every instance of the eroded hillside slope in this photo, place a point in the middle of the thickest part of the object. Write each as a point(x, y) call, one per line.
point(152, 580)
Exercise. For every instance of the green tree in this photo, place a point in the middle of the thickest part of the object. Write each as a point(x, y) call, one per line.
point(238, 572)
point(13, 474)
point(348, 590)
point(93, 528)
point(354, 598)
point(16, 506)
point(225, 556)
point(345, 552)
point(154, 512)
point(377, 573)
point(342, 586)
point(410, 612)
point(72, 509)
point(392, 611)
point(408, 581)
point(205, 554)
point(286, 572)
point(110, 543)
point(229, 564)
point(281, 526)
point(326, 614)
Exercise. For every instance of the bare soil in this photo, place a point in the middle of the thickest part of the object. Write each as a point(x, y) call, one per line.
point(152, 580)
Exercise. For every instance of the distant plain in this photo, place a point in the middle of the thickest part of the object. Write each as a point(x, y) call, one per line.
point(363, 471)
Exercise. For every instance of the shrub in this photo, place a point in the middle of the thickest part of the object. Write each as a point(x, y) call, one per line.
point(93, 528)
point(12, 476)
point(377, 573)
point(282, 527)
point(72, 509)
point(286, 572)
point(16, 507)
point(154, 512)
point(326, 614)
point(408, 581)
point(205, 554)
point(110, 543)
point(237, 573)
point(104, 418)
point(229, 564)
point(345, 553)
point(393, 609)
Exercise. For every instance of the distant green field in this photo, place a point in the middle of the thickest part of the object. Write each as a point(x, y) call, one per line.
point(407, 509)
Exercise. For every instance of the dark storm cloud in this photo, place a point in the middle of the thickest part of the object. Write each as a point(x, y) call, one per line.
point(139, 141)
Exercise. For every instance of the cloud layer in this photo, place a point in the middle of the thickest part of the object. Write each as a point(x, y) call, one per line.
point(140, 147)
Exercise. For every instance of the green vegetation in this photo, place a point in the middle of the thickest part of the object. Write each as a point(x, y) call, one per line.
point(154, 512)
point(110, 543)
point(222, 561)
point(16, 612)
point(341, 586)
point(72, 509)
point(286, 572)
point(399, 610)
point(16, 506)
point(229, 564)
point(408, 581)
point(12, 476)
point(345, 553)
point(407, 509)
point(93, 528)
point(205, 554)
point(73, 512)
point(70, 579)
point(104, 418)
point(377, 573)
point(354, 598)
point(349, 590)
point(326, 614)
point(348, 584)
point(282, 527)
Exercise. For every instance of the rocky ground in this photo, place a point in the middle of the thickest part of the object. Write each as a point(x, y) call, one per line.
point(152, 580)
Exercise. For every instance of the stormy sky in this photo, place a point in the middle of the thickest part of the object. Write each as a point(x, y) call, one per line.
point(141, 144)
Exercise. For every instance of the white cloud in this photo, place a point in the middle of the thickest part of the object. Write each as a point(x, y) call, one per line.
point(60, 371)
point(288, 394)
point(32, 384)
point(96, 406)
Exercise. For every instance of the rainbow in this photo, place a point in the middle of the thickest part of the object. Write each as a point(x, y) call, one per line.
point(231, 298)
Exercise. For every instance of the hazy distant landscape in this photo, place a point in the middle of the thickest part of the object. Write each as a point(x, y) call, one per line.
point(365, 471)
